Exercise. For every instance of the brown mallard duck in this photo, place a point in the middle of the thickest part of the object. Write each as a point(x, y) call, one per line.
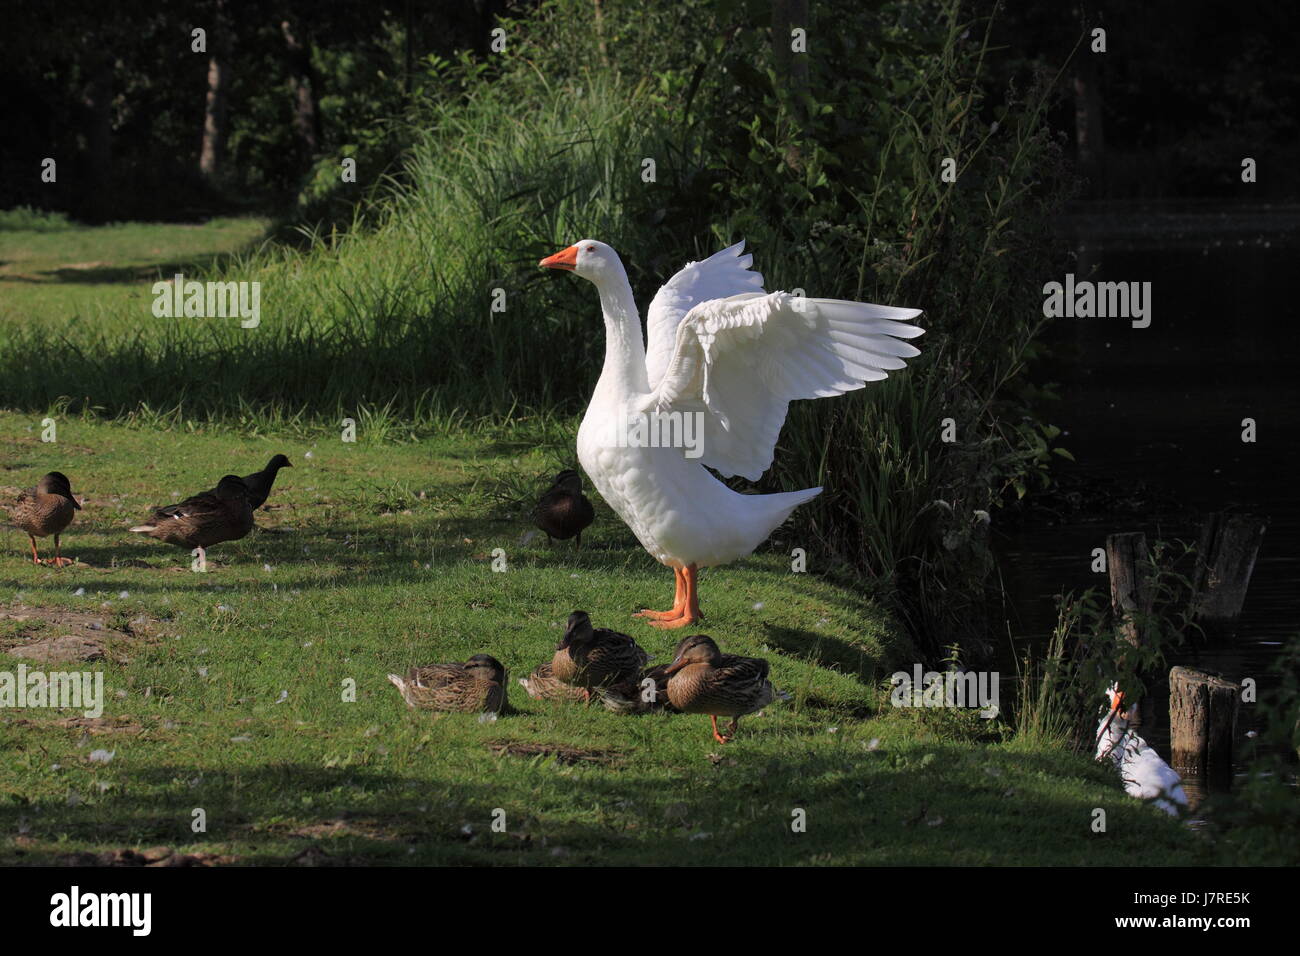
point(592, 658)
point(639, 697)
point(259, 483)
point(479, 684)
point(209, 518)
point(703, 680)
point(46, 510)
point(563, 511)
point(629, 697)
point(542, 684)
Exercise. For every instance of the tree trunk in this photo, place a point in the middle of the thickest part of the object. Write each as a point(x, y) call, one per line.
point(598, 18)
point(791, 69)
point(97, 98)
point(408, 48)
point(213, 150)
point(1089, 136)
point(306, 115)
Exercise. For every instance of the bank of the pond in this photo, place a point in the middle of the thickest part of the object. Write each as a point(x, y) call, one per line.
point(1154, 419)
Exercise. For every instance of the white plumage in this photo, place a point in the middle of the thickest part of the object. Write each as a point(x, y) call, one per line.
point(1145, 774)
point(731, 357)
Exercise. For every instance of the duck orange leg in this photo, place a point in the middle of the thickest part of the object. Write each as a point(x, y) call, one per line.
point(690, 612)
point(679, 601)
point(35, 558)
point(59, 560)
point(717, 736)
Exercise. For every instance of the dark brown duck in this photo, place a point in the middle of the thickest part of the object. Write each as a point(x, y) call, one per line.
point(259, 482)
point(592, 658)
point(563, 511)
point(46, 510)
point(648, 694)
point(209, 518)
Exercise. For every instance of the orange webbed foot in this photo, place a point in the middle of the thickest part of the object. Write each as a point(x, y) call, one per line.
point(680, 604)
point(658, 615)
point(674, 622)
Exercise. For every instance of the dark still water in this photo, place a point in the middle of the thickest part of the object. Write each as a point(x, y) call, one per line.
point(1154, 418)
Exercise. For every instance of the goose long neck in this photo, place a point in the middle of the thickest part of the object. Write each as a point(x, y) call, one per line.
point(624, 372)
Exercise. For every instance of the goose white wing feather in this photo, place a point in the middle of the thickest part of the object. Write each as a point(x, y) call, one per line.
point(742, 359)
point(723, 274)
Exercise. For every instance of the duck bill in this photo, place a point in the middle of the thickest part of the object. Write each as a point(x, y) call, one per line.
point(566, 259)
point(674, 667)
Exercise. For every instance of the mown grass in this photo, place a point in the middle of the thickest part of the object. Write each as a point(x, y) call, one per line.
point(58, 275)
point(376, 556)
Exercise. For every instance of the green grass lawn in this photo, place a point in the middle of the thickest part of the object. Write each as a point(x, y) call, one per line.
point(225, 690)
point(65, 277)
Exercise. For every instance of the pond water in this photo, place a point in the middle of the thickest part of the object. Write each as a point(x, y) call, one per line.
point(1154, 416)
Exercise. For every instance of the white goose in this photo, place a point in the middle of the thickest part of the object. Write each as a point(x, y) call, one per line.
point(1145, 774)
point(729, 358)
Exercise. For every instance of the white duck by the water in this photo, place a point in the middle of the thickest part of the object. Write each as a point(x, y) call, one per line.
point(1145, 774)
point(725, 355)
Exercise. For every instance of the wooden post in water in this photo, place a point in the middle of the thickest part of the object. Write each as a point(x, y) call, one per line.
point(1131, 593)
point(1225, 558)
point(1202, 720)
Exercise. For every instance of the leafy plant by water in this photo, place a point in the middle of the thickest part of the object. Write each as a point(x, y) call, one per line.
point(1091, 647)
point(1259, 820)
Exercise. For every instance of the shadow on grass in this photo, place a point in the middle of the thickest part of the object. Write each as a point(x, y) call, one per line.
point(825, 650)
point(105, 273)
point(385, 558)
point(293, 362)
point(881, 809)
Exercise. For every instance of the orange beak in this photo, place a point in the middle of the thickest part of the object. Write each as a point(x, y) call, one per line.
point(1117, 701)
point(564, 259)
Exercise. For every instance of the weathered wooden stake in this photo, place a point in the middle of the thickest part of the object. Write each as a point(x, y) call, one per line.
point(1202, 720)
point(1131, 593)
point(1225, 558)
